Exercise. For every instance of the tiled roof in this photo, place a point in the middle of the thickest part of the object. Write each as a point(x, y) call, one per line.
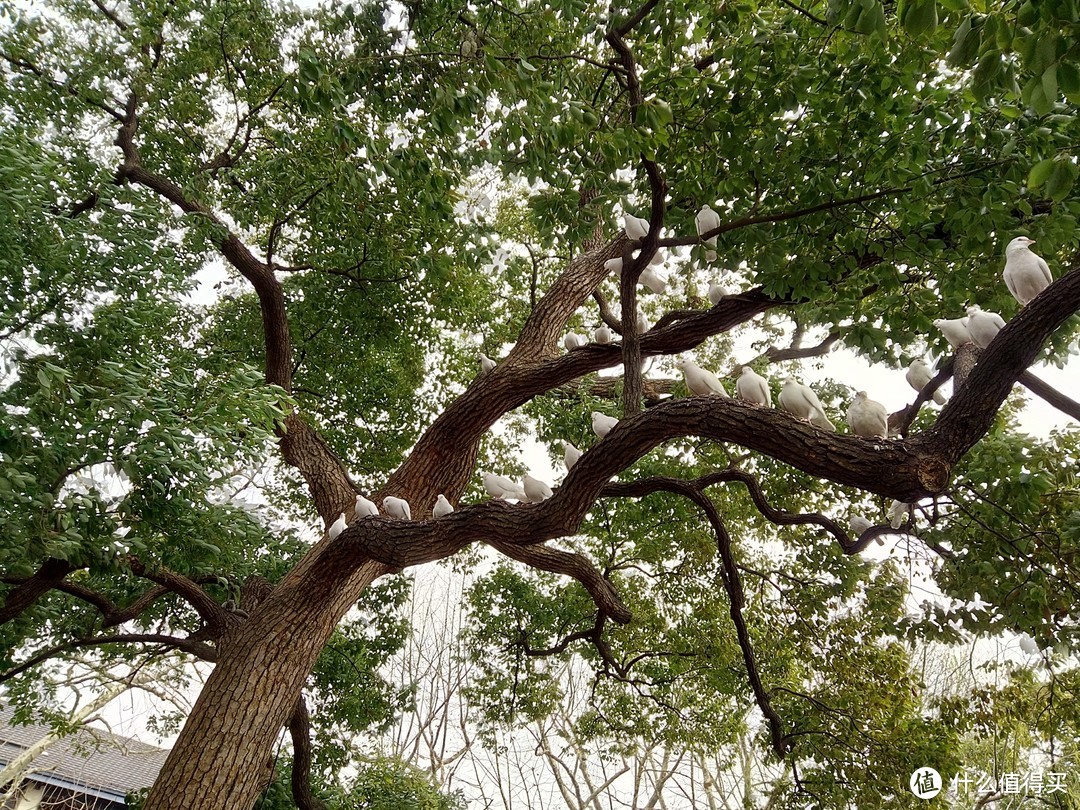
point(89, 758)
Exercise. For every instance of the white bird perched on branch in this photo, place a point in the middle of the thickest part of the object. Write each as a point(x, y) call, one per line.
point(574, 341)
point(499, 486)
point(653, 280)
point(919, 374)
point(602, 423)
point(801, 401)
point(613, 265)
point(642, 323)
point(700, 381)
point(603, 335)
point(983, 326)
point(337, 527)
point(898, 512)
point(636, 228)
point(570, 454)
point(365, 508)
point(535, 489)
point(657, 257)
point(754, 388)
point(716, 292)
point(859, 524)
point(397, 507)
point(486, 363)
point(442, 507)
point(868, 418)
point(1026, 274)
point(707, 220)
point(955, 331)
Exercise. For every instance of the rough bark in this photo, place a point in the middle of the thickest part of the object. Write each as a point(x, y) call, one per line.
point(222, 756)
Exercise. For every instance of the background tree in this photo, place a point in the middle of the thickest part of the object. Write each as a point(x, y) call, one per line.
point(333, 160)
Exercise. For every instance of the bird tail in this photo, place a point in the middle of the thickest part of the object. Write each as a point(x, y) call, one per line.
point(822, 421)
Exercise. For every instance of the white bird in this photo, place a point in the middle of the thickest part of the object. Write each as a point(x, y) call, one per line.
point(752, 387)
point(707, 220)
point(602, 423)
point(1028, 645)
point(1026, 274)
point(983, 326)
point(636, 228)
point(486, 363)
point(337, 527)
point(716, 292)
point(535, 489)
point(919, 374)
point(573, 341)
point(613, 265)
point(657, 258)
point(898, 511)
point(499, 486)
point(700, 381)
point(397, 507)
point(603, 335)
point(653, 280)
point(570, 454)
point(642, 324)
point(442, 507)
point(800, 400)
point(955, 331)
point(365, 508)
point(868, 418)
point(859, 524)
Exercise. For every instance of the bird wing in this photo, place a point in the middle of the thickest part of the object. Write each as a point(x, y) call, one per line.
point(1044, 268)
point(1008, 276)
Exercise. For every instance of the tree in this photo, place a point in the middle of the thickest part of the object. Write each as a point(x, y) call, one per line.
point(329, 158)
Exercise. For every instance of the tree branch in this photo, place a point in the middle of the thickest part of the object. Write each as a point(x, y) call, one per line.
point(567, 563)
point(1069, 407)
point(736, 599)
point(300, 733)
point(27, 591)
point(204, 652)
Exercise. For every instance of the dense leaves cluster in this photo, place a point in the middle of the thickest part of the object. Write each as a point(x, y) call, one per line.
point(411, 180)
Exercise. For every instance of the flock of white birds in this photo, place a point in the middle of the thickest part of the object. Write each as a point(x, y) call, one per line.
point(1025, 274)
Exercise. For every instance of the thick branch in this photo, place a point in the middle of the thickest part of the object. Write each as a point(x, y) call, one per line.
point(28, 591)
point(277, 345)
point(113, 615)
point(1051, 395)
point(969, 414)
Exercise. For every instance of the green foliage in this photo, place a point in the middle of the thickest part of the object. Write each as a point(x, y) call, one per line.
point(389, 784)
point(348, 147)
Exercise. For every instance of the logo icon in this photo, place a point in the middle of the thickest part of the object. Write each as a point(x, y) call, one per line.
point(925, 783)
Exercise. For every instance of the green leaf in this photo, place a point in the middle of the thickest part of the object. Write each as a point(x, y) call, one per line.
point(1040, 173)
point(1061, 180)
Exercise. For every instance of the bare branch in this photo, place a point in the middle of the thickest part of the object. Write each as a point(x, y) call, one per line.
point(111, 15)
point(1069, 407)
point(796, 352)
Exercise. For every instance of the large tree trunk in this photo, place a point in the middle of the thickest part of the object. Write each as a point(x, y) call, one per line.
point(224, 755)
